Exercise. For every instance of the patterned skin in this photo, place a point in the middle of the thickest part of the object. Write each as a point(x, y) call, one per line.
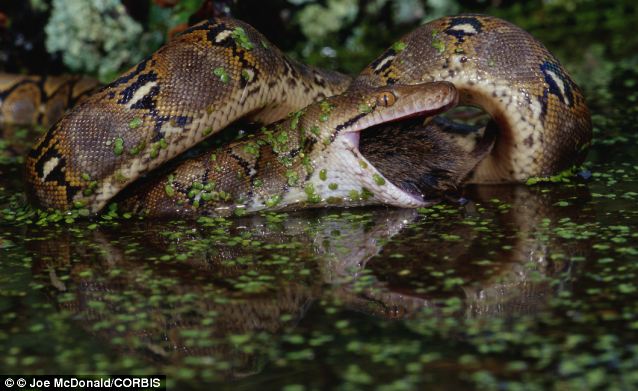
point(222, 70)
point(196, 85)
point(26, 100)
point(311, 159)
point(543, 121)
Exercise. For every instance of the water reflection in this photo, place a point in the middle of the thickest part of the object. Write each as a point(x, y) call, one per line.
point(220, 294)
point(505, 261)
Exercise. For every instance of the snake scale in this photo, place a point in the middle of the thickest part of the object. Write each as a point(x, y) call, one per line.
point(222, 70)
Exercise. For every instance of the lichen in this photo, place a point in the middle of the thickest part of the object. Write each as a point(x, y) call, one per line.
point(96, 36)
point(316, 21)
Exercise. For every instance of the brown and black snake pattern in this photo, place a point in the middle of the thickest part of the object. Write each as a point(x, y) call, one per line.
point(310, 159)
point(544, 123)
point(223, 70)
point(26, 100)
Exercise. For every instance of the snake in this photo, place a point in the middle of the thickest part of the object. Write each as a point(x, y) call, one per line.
point(38, 99)
point(310, 151)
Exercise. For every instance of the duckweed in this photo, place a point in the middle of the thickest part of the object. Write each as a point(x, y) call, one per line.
point(239, 35)
point(221, 73)
point(135, 123)
point(118, 146)
point(399, 46)
point(273, 201)
point(311, 194)
point(523, 287)
point(323, 174)
point(365, 108)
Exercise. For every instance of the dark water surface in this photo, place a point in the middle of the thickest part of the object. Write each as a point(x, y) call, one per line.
point(524, 287)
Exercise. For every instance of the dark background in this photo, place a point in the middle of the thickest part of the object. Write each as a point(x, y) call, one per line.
point(596, 39)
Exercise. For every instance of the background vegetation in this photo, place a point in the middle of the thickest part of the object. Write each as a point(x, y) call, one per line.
point(596, 38)
point(555, 266)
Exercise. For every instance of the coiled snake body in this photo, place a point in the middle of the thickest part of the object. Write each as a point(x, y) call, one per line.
point(222, 70)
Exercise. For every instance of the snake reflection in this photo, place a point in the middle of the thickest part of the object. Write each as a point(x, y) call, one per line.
point(196, 306)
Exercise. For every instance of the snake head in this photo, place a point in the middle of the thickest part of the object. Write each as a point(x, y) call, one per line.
point(341, 173)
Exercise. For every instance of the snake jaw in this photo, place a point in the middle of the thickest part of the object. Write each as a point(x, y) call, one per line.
point(355, 180)
point(352, 138)
point(368, 178)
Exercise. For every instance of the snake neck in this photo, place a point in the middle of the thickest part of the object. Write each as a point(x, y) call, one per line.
point(299, 86)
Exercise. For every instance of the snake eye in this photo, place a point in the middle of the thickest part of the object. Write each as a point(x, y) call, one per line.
point(386, 99)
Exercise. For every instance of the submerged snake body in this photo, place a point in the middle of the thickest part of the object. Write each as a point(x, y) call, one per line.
point(223, 70)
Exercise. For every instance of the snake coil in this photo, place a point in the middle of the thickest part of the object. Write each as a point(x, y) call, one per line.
point(223, 70)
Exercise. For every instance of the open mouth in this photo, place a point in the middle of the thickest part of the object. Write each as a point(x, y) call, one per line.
point(421, 158)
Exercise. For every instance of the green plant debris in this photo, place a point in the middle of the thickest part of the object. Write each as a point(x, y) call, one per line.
point(378, 179)
point(248, 74)
point(293, 177)
point(118, 146)
point(365, 108)
point(294, 119)
point(139, 147)
point(168, 188)
point(563, 176)
point(311, 194)
point(135, 123)
point(273, 201)
point(221, 73)
point(399, 46)
point(252, 148)
point(239, 35)
point(326, 109)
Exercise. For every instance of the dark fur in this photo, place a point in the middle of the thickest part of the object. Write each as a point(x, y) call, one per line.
point(424, 159)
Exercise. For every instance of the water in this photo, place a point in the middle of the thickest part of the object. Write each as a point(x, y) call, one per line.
point(524, 287)
point(532, 285)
